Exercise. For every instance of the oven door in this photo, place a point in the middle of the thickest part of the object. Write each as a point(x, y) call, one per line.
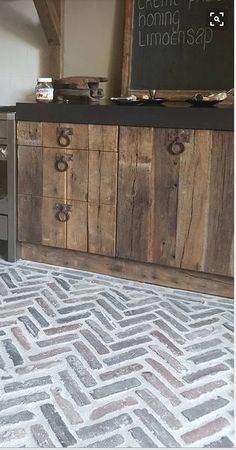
point(3, 178)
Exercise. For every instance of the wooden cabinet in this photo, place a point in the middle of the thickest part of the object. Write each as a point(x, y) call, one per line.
point(150, 195)
point(175, 198)
point(67, 185)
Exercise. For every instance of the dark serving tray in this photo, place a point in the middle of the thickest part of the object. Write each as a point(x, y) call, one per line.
point(203, 103)
point(140, 101)
point(153, 101)
point(125, 101)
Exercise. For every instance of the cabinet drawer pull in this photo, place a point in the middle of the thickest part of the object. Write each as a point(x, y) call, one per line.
point(178, 139)
point(176, 148)
point(61, 162)
point(62, 212)
point(64, 136)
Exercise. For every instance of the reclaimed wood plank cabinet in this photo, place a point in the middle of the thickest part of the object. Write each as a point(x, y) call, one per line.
point(67, 184)
point(151, 195)
point(175, 199)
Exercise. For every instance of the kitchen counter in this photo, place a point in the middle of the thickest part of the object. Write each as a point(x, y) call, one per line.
point(169, 115)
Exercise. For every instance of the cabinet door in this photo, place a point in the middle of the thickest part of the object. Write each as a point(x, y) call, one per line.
point(204, 239)
point(147, 196)
point(176, 209)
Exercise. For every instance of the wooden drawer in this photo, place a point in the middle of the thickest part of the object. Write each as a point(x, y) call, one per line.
point(65, 135)
point(83, 137)
point(39, 172)
point(89, 227)
point(38, 222)
point(3, 129)
point(29, 133)
point(3, 228)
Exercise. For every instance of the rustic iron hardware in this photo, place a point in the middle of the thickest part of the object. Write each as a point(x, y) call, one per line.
point(62, 212)
point(61, 163)
point(64, 136)
point(178, 139)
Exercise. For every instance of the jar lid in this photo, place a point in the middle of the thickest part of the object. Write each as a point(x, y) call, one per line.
point(45, 80)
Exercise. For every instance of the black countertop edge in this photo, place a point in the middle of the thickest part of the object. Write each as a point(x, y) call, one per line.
point(171, 116)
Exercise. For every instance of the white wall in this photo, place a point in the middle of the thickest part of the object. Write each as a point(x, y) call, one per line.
point(23, 51)
point(94, 40)
point(93, 45)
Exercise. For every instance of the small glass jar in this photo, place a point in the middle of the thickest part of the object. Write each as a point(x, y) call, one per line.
point(44, 90)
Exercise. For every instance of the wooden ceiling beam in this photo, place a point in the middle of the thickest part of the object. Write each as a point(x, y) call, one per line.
point(50, 20)
point(51, 15)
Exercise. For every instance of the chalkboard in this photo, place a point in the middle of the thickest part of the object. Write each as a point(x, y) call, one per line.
point(172, 45)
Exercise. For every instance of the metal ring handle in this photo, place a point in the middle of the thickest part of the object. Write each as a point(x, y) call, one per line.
point(63, 139)
point(176, 147)
point(62, 216)
point(61, 164)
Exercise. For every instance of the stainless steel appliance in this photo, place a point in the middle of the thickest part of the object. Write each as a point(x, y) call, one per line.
point(7, 183)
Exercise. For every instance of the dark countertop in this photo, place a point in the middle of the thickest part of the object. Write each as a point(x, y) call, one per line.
point(169, 115)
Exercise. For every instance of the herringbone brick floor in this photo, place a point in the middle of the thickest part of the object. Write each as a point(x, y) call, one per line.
point(93, 361)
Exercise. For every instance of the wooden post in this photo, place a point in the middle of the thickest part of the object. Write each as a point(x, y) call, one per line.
point(51, 15)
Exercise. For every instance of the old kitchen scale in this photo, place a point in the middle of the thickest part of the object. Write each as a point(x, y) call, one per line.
point(79, 89)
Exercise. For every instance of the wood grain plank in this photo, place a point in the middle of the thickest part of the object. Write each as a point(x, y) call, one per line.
point(29, 133)
point(30, 170)
point(102, 177)
point(193, 202)
point(219, 248)
point(77, 175)
point(77, 226)
point(103, 138)
point(127, 46)
point(164, 200)
point(53, 231)
point(101, 229)
point(54, 182)
point(30, 219)
point(37, 174)
point(148, 273)
point(134, 198)
point(37, 221)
